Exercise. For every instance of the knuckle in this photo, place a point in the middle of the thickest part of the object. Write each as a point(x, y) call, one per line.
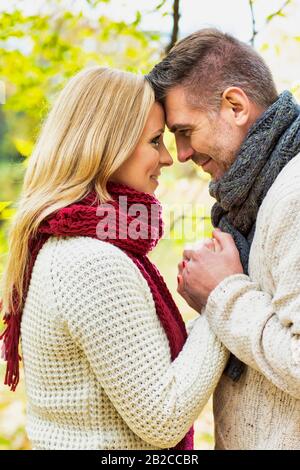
point(199, 253)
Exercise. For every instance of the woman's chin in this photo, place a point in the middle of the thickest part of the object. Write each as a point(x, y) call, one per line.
point(151, 188)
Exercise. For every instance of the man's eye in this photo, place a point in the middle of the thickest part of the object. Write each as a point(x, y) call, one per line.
point(185, 132)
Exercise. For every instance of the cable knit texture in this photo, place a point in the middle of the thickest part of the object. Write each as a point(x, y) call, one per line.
point(272, 141)
point(258, 318)
point(97, 361)
point(117, 223)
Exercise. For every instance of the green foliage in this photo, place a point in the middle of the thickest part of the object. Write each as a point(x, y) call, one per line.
point(12, 417)
point(38, 54)
point(279, 12)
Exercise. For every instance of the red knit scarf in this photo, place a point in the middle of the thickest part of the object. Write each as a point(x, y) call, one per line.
point(131, 221)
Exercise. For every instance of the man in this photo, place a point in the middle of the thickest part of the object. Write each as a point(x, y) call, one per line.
point(223, 107)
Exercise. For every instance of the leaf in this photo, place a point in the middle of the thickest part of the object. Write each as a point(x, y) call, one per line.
point(138, 18)
point(7, 213)
point(23, 146)
point(265, 47)
point(94, 3)
point(4, 205)
point(4, 442)
point(160, 5)
point(207, 437)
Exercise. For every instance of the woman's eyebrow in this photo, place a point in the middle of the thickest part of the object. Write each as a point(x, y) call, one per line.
point(159, 131)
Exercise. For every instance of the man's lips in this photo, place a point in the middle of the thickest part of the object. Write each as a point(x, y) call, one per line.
point(205, 162)
point(201, 161)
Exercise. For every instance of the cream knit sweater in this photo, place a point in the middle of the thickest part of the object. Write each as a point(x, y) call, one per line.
point(97, 364)
point(258, 318)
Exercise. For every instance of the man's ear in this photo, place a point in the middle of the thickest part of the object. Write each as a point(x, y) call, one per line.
point(236, 102)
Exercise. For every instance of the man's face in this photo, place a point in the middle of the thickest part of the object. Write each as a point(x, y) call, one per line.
point(210, 141)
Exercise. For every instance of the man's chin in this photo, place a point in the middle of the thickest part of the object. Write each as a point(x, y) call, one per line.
point(214, 173)
point(211, 168)
point(215, 176)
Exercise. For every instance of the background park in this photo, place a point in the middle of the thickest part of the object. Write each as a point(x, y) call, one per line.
point(44, 42)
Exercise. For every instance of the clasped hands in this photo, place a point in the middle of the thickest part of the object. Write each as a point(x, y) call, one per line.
point(202, 269)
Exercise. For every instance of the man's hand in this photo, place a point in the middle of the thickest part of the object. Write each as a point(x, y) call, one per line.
point(192, 302)
point(203, 269)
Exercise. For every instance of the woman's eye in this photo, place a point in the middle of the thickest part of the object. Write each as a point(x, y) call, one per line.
point(155, 141)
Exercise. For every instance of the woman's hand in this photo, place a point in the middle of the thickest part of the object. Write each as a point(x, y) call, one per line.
point(203, 269)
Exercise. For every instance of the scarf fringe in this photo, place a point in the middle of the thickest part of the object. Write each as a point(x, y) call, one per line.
point(10, 350)
point(81, 219)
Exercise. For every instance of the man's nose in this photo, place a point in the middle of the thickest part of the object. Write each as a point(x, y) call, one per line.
point(184, 153)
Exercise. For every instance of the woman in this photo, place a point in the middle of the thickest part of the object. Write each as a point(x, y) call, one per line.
point(107, 361)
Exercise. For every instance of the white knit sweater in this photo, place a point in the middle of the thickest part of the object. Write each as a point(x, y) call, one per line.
point(258, 318)
point(97, 364)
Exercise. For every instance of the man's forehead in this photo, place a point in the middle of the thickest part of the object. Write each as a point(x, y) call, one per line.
point(178, 119)
point(176, 109)
point(175, 99)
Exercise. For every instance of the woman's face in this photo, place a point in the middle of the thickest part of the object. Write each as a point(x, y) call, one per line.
point(142, 169)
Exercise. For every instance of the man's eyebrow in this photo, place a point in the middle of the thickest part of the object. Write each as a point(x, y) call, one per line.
point(177, 127)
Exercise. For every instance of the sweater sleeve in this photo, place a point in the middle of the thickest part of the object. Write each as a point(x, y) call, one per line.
point(263, 328)
point(110, 314)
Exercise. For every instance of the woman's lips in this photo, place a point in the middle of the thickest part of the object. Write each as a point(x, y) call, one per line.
point(155, 177)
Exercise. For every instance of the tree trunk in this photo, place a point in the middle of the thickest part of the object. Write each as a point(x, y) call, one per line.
point(175, 31)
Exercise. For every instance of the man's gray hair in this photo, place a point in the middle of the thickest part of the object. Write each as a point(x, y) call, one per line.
point(209, 61)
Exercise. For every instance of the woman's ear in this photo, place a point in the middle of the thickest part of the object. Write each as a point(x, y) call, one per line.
point(237, 104)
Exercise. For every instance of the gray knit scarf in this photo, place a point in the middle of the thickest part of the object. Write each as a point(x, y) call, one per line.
point(270, 144)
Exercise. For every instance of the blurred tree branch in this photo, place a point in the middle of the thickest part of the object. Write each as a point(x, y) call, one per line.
point(278, 12)
point(254, 30)
point(175, 30)
point(269, 18)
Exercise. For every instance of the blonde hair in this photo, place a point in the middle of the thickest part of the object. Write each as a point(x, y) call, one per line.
point(92, 129)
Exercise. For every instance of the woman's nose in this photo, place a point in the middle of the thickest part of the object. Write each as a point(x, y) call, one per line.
point(165, 158)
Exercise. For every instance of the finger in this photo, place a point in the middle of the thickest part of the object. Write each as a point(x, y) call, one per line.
point(209, 244)
point(197, 245)
point(217, 245)
point(181, 266)
point(180, 287)
point(224, 239)
point(189, 246)
point(187, 254)
point(184, 275)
